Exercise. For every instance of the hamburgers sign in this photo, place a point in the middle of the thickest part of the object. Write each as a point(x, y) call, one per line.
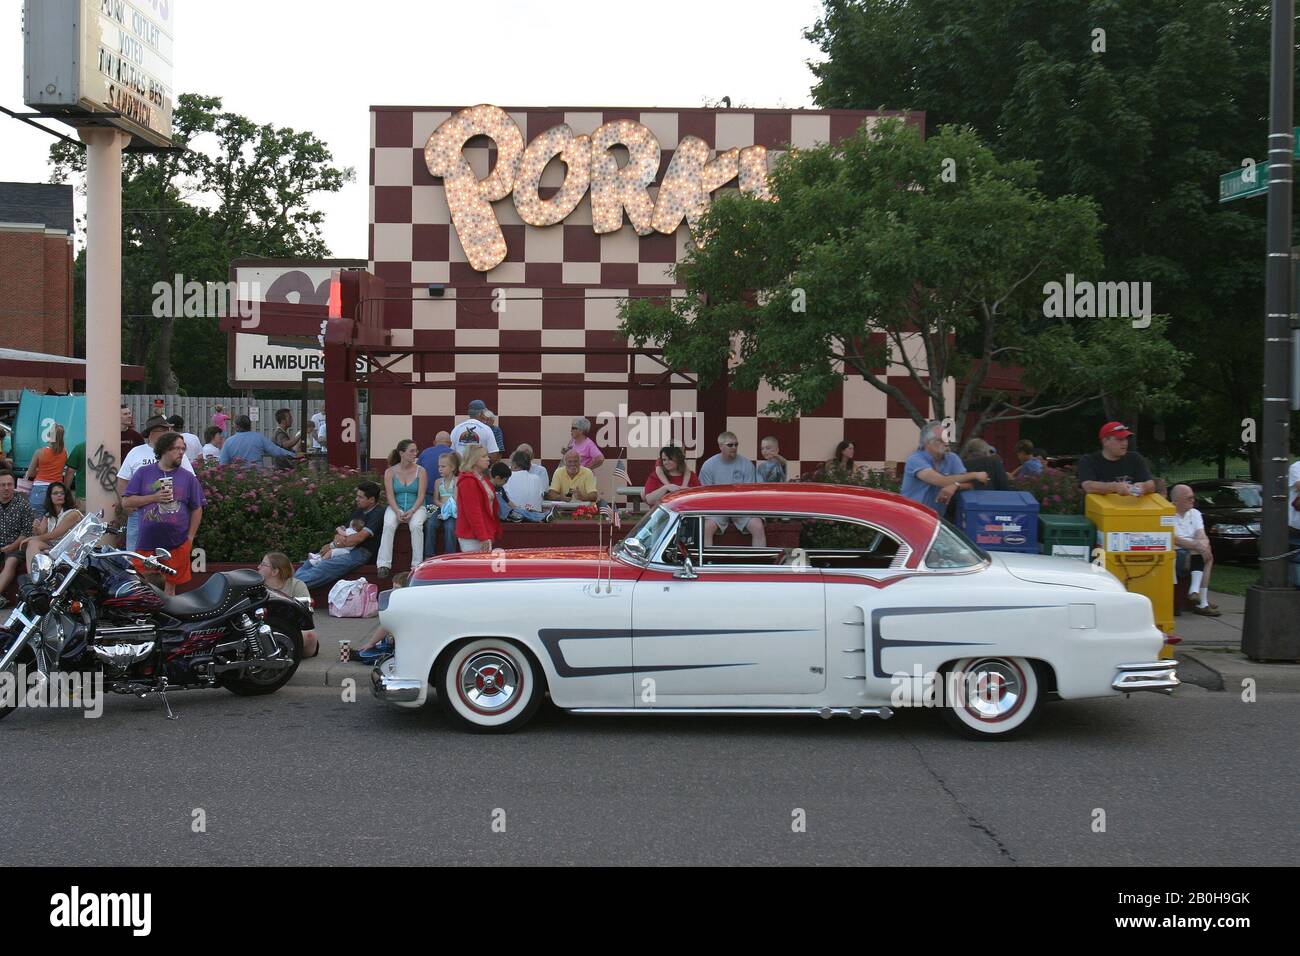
point(590, 165)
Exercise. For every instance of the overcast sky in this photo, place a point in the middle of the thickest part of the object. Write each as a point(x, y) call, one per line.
point(320, 65)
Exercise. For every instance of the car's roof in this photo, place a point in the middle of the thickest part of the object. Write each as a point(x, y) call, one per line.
point(912, 520)
point(1222, 483)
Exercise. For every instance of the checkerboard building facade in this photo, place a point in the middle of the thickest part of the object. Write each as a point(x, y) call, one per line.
point(562, 288)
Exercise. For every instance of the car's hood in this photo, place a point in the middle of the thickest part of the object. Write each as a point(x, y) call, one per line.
point(1066, 572)
point(1233, 515)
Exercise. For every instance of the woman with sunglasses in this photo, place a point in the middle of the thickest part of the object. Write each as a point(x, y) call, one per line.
point(58, 518)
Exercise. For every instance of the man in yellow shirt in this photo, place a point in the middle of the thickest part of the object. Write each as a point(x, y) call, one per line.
point(572, 482)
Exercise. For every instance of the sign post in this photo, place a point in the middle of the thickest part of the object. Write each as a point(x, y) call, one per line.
point(1272, 607)
point(105, 67)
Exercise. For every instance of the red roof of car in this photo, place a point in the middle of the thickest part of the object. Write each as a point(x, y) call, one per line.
point(913, 522)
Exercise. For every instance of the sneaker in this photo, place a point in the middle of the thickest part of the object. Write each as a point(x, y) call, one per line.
point(1207, 611)
point(550, 513)
point(1194, 597)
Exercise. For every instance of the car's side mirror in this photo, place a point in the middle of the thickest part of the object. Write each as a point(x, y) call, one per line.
point(634, 548)
point(687, 571)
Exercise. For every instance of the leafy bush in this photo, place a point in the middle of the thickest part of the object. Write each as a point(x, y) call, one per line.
point(252, 510)
point(1057, 491)
point(835, 475)
point(830, 534)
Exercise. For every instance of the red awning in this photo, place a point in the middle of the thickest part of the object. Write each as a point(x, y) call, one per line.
point(19, 364)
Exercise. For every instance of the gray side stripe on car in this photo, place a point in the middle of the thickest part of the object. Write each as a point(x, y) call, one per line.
point(879, 643)
point(551, 637)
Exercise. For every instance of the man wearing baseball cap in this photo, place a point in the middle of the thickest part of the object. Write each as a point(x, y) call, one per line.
point(1114, 470)
point(475, 431)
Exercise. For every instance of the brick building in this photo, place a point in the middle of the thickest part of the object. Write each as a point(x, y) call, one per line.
point(36, 292)
point(563, 282)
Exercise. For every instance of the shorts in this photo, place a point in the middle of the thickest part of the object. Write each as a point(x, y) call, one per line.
point(739, 522)
point(178, 562)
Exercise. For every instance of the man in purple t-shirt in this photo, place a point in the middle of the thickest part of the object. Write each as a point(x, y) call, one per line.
point(170, 502)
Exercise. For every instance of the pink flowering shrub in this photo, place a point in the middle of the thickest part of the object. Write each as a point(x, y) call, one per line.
point(1057, 491)
point(251, 511)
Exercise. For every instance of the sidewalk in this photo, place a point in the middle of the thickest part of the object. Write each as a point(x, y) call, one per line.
point(325, 669)
point(1214, 643)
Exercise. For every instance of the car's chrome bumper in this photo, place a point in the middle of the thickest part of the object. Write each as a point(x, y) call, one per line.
point(395, 690)
point(1158, 675)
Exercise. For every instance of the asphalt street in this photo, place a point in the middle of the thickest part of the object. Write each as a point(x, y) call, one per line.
point(304, 777)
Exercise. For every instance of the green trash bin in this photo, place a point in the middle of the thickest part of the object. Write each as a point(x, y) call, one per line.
point(1067, 536)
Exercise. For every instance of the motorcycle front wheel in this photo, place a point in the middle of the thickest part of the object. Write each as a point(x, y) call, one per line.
point(11, 688)
point(255, 682)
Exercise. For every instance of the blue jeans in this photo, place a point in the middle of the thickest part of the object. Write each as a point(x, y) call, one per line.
point(36, 497)
point(504, 511)
point(331, 569)
point(1293, 562)
point(449, 543)
point(132, 529)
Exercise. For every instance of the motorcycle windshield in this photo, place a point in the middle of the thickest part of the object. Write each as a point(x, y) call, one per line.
point(80, 539)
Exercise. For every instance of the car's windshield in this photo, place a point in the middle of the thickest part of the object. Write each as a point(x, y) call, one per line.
point(649, 528)
point(952, 549)
point(1235, 496)
point(81, 538)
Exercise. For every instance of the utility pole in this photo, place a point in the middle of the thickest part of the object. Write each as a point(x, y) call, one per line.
point(1272, 624)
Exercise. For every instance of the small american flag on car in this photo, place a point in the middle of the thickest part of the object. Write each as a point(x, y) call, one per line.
point(609, 513)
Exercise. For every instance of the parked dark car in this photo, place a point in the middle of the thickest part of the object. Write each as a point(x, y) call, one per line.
point(1231, 509)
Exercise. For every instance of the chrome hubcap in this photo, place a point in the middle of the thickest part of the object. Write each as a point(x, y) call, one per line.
point(994, 689)
point(489, 681)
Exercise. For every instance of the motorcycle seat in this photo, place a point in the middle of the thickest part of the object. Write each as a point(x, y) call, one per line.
point(217, 595)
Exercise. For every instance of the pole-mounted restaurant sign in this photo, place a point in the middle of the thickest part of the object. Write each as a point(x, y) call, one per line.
point(102, 63)
point(590, 164)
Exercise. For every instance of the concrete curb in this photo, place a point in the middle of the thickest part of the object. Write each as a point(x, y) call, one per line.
point(1233, 668)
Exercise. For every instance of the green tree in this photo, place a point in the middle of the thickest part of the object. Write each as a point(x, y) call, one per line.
point(885, 239)
point(234, 189)
point(1142, 117)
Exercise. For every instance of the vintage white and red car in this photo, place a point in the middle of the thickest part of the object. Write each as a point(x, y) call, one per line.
point(857, 602)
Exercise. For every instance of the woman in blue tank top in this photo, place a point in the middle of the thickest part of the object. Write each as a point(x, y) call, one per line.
point(405, 483)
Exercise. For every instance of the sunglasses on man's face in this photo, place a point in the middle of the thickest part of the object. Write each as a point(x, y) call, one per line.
point(731, 444)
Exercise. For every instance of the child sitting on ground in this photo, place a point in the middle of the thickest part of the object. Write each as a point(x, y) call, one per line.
point(353, 527)
point(380, 641)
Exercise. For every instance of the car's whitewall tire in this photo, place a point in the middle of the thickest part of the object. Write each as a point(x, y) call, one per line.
point(489, 685)
point(992, 698)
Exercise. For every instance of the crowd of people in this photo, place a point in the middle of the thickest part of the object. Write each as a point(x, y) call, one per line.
point(454, 495)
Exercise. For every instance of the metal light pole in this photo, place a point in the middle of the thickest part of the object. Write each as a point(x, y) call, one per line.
point(1272, 624)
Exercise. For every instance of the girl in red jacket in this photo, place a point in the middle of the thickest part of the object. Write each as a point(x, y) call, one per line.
point(477, 524)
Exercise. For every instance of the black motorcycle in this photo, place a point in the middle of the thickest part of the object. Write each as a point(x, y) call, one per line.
point(84, 610)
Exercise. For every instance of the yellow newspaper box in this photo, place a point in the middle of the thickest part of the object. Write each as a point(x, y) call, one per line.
point(1136, 536)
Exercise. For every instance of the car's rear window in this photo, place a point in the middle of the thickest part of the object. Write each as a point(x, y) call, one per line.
point(952, 549)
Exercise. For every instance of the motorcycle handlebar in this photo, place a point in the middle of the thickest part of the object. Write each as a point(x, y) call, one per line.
point(143, 558)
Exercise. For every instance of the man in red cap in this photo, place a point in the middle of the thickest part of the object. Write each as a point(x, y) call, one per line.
point(1114, 470)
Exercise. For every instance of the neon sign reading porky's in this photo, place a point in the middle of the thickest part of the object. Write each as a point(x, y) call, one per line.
point(684, 194)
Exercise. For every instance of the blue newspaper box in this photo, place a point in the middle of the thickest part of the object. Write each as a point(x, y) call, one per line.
point(1000, 520)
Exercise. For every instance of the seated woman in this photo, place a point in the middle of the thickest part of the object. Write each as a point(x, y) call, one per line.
point(588, 451)
point(57, 519)
point(670, 474)
point(277, 572)
point(406, 484)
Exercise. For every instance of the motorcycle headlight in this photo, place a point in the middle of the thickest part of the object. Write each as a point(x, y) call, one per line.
point(42, 568)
